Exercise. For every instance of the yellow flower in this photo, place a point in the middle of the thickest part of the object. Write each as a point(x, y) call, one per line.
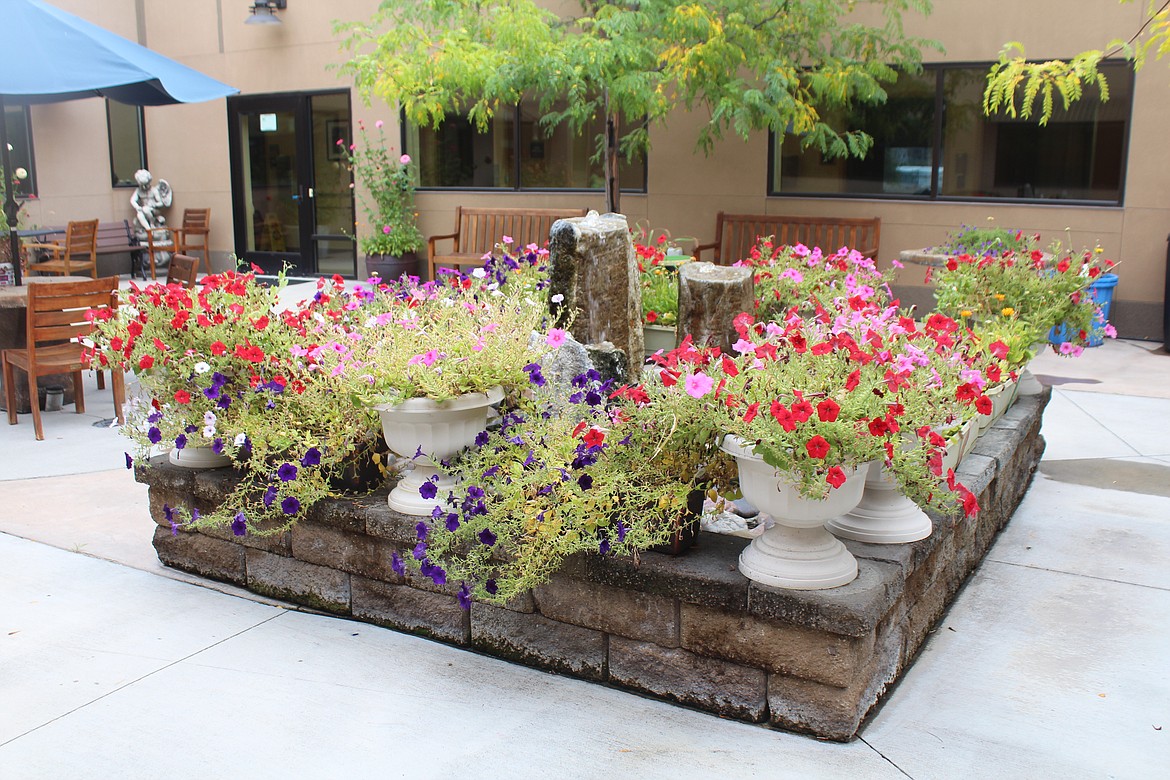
point(1008, 311)
point(999, 296)
point(965, 313)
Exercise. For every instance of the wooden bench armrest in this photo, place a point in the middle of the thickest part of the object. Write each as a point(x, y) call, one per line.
point(700, 247)
point(435, 239)
point(40, 245)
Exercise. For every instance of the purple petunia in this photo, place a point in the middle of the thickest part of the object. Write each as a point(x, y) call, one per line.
point(420, 531)
point(585, 481)
point(481, 439)
point(486, 537)
point(290, 506)
point(269, 496)
point(621, 531)
point(452, 523)
point(603, 548)
point(224, 402)
point(287, 472)
point(154, 435)
point(397, 565)
point(464, 596)
point(240, 524)
point(428, 490)
point(217, 446)
point(312, 457)
point(180, 442)
point(491, 587)
point(129, 460)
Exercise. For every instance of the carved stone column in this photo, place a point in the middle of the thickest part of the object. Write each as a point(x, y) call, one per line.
point(709, 297)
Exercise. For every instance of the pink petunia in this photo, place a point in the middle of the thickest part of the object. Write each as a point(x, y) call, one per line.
point(379, 124)
point(404, 159)
point(506, 239)
point(386, 229)
point(698, 385)
point(556, 337)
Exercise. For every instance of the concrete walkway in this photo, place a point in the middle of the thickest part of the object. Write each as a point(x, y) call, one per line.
point(1051, 663)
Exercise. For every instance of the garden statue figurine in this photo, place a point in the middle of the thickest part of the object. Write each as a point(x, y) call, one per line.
point(148, 202)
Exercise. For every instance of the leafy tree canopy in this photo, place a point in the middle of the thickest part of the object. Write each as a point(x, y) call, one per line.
point(748, 64)
point(1014, 85)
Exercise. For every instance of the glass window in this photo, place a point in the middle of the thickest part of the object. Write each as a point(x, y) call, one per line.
point(456, 155)
point(20, 151)
point(961, 153)
point(127, 142)
point(899, 162)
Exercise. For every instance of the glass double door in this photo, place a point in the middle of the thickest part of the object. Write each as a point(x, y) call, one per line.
point(291, 196)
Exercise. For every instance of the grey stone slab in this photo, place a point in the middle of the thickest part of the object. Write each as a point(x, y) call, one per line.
point(74, 629)
point(852, 610)
point(1036, 673)
point(299, 582)
point(1073, 433)
point(537, 641)
point(1129, 419)
point(612, 610)
point(1096, 532)
point(323, 697)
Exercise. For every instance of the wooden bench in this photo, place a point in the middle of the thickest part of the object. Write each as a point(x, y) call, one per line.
point(113, 238)
point(736, 234)
point(478, 230)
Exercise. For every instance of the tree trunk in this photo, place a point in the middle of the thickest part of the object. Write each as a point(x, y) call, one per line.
point(612, 189)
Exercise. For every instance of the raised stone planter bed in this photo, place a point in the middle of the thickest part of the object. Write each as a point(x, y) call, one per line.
point(690, 630)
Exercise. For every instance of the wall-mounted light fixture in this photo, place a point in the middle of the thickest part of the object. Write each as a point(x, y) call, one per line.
point(264, 12)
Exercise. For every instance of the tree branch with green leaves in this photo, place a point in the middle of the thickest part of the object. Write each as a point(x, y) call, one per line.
point(750, 65)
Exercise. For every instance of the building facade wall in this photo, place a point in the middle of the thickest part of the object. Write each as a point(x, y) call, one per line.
point(188, 144)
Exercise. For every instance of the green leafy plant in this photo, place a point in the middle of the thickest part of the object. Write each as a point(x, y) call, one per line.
point(388, 199)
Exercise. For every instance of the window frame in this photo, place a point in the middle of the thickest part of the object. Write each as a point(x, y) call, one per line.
point(110, 145)
point(31, 164)
point(939, 70)
point(516, 168)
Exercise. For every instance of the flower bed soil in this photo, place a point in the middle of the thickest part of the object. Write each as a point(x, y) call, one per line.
point(690, 630)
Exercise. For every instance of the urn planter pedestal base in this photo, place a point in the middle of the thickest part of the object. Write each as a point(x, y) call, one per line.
point(884, 515)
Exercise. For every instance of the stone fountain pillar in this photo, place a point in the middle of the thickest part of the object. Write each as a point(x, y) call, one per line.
point(709, 297)
point(592, 266)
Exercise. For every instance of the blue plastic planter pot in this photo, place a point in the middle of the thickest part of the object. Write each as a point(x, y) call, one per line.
point(1102, 293)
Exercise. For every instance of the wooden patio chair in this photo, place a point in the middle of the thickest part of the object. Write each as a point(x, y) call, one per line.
point(78, 252)
point(195, 233)
point(55, 323)
point(183, 270)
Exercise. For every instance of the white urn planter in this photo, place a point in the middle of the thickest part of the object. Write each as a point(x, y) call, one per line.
point(796, 552)
point(1002, 397)
point(884, 515)
point(659, 338)
point(198, 456)
point(439, 430)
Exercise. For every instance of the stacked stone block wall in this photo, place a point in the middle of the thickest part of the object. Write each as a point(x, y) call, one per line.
point(690, 630)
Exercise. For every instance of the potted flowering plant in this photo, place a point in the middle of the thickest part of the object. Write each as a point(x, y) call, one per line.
point(658, 277)
point(224, 383)
point(611, 471)
point(1020, 297)
point(431, 359)
point(789, 278)
point(808, 404)
point(393, 236)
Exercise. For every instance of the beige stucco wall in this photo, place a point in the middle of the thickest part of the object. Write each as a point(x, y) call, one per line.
point(188, 145)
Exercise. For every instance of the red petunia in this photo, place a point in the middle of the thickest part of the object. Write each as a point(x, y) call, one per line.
point(878, 427)
point(580, 427)
point(827, 410)
point(651, 317)
point(729, 367)
point(218, 348)
point(817, 447)
point(146, 361)
point(260, 323)
point(182, 396)
point(250, 352)
point(983, 405)
point(835, 477)
point(999, 349)
point(1063, 265)
point(782, 415)
point(594, 438)
point(853, 380)
point(752, 411)
point(801, 411)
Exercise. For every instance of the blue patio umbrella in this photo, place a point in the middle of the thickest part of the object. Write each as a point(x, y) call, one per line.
point(51, 56)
